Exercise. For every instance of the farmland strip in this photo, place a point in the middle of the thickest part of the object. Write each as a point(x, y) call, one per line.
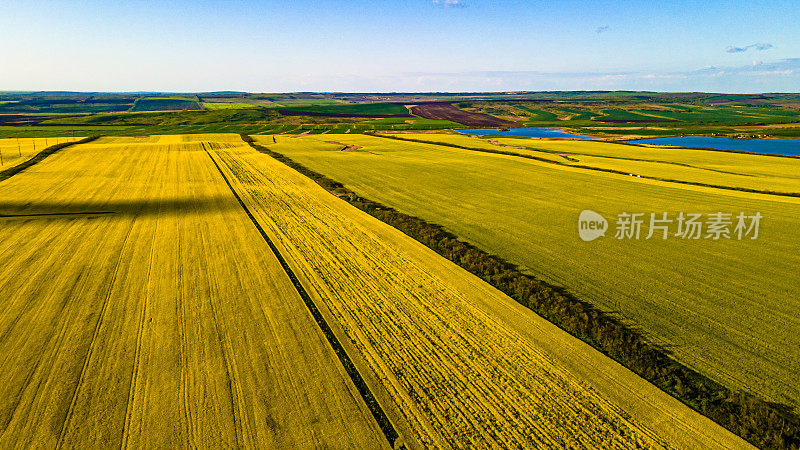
point(10, 172)
point(95, 333)
point(464, 364)
point(373, 405)
point(65, 313)
point(137, 353)
point(448, 111)
point(598, 169)
point(762, 423)
point(186, 411)
point(294, 392)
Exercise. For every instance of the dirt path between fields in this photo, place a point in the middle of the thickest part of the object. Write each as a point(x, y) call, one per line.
point(494, 142)
point(347, 147)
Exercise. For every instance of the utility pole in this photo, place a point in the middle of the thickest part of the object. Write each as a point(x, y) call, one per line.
point(19, 148)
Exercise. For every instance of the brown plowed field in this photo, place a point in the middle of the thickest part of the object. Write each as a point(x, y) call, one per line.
point(447, 111)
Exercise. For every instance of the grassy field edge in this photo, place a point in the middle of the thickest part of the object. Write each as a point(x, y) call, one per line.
point(765, 424)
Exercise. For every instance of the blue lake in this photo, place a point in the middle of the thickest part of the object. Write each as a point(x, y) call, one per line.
point(773, 146)
point(524, 132)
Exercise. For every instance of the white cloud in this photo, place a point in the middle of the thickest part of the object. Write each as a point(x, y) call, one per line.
point(760, 46)
point(664, 76)
point(450, 3)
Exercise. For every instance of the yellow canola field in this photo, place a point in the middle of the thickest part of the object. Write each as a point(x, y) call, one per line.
point(455, 362)
point(141, 308)
point(729, 169)
point(17, 150)
point(725, 308)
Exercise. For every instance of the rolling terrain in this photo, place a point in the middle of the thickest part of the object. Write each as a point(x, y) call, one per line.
point(461, 363)
point(725, 308)
point(161, 303)
point(609, 115)
point(133, 317)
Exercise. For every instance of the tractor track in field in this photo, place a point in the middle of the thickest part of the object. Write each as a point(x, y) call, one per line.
point(188, 426)
point(58, 345)
point(17, 317)
point(137, 353)
point(358, 380)
point(241, 426)
point(95, 333)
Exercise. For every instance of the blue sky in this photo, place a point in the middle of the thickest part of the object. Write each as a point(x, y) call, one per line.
point(415, 45)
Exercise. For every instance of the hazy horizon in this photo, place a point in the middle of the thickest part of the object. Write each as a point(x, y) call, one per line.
point(503, 91)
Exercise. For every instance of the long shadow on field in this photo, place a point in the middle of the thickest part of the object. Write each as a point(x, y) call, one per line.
point(132, 207)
